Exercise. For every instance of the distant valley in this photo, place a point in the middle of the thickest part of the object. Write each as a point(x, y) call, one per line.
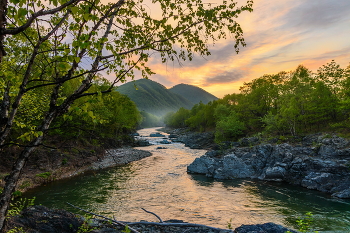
point(156, 99)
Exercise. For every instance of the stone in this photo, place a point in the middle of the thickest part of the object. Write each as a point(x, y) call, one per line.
point(263, 228)
point(324, 167)
point(201, 165)
point(156, 135)
point(142, 142)
point(276, 173)
point(342, 194)
point(233, 167)
point(165, 142)
point(42, 219)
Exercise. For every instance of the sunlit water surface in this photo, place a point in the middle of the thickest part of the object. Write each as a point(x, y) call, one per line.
point(160, 184)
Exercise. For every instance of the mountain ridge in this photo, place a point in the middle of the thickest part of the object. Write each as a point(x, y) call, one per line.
point(155, 98)
point(193, 93)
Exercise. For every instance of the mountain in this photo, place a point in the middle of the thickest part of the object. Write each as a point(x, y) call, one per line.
point(193, 93)
point(154, 98)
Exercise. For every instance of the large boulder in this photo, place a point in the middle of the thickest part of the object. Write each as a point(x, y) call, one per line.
point(318, 163)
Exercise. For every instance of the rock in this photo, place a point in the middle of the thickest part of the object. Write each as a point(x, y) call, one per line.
point(159, 148)
point(201, 165)
point(262, 228)
point(172, 136)
point(165, 142)
point(233, 167)
point(37, 219)
point(249, 141)
point(314, 179)
point(142, 142)
point(275, 173)
point(196, 140)
point(156, 135)
point(343, 194)
point(42, 219)
point(324, 167)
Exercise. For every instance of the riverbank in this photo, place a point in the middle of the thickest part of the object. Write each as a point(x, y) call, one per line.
point(46, 166)
point(42, 219)
point(160, 183)
point(318, 161)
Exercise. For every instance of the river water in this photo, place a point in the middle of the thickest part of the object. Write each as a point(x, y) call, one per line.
point(160, 184)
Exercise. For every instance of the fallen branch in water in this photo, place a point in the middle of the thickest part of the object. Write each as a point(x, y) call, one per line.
point(160, 220)
point(101, 216)
point(123, 223)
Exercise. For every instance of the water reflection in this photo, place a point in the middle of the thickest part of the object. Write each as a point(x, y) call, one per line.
point(160, 184)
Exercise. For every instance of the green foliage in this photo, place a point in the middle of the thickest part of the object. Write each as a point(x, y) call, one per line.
point(126, 229)
point(287, 103)
point(177, 119)
point(97, 119)
point(150, 120)
point(193, 94)
point(85, 227)
point(229, 224)
point(305, 223)
point(153, 98)
point(44, 175)
point(46, 72)
point(64, 161)
point(55, 50)
point(17, 206)
point(16, 193)
point(228, 125)
point(16, 230)
point(25, 184)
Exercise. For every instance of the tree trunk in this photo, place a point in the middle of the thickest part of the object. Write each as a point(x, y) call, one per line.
point(12, 179)
point(3, 12)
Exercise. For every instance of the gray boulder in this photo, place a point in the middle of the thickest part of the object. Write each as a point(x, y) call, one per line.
point(324, 167)
point(156, 135)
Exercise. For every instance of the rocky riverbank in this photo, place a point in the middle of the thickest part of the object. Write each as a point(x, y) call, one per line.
point(41, 219)
point(320, 162)
point(48, 167)
point(193, 140)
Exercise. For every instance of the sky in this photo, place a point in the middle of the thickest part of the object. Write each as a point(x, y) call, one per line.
point(280, 35)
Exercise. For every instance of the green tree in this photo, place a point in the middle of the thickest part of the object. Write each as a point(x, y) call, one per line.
point(74, 39)
point(177, 119)
point(150, 120)
point(260, 96)
point(332, 75)
point(228, 124)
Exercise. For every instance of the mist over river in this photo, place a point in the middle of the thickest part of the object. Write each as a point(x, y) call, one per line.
point(160, 184)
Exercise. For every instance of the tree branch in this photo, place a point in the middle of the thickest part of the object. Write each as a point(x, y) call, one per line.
point(101, 216)
point(160, 220)
point(35, 16)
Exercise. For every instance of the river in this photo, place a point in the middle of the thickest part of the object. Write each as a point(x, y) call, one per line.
point(160, 184)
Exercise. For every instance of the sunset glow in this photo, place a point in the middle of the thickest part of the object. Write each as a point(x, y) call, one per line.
point(280, 35)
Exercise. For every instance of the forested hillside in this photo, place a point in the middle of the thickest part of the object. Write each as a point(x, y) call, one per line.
point(152, 97)
point(288, 103)
point(92, 123)
point(193, 93)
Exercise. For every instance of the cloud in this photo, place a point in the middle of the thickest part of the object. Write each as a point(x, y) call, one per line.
point(280, 35)
point(225, 77)
point(317, 14)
